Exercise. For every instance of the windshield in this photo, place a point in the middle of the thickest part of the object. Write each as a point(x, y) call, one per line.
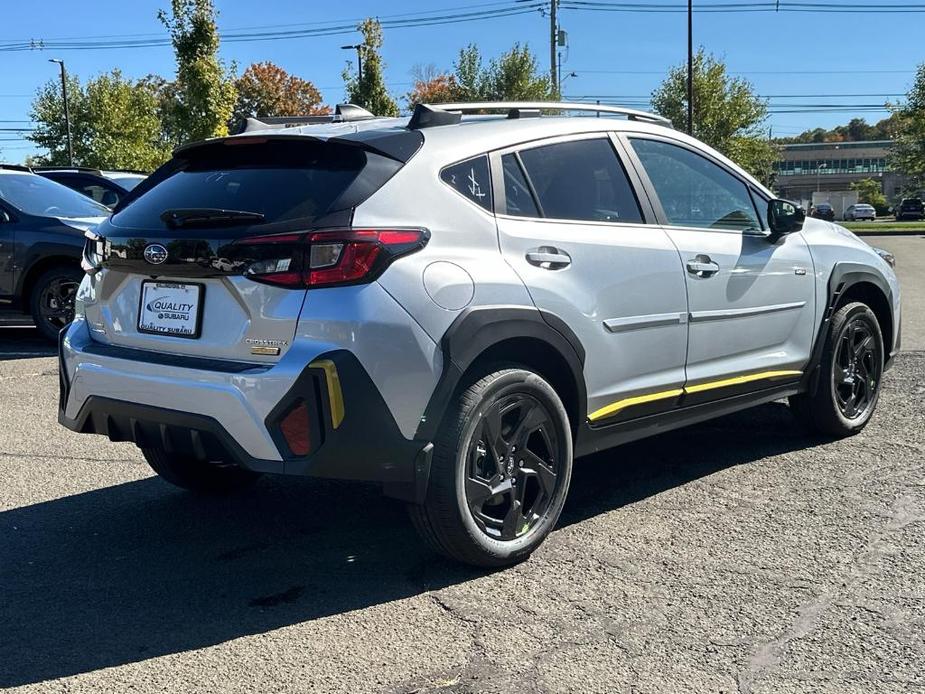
point(41, 197)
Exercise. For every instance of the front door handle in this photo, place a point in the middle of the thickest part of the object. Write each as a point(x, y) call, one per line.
point(549, 258)
point(702, 266)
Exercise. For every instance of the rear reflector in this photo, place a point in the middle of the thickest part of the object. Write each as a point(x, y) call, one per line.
point(295, 429)
point(327, 258)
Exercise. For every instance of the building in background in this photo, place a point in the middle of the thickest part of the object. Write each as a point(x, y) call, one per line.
point(804, 169)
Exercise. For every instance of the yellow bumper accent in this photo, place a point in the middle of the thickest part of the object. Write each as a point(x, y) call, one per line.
point(335, 395)
point(615, 407)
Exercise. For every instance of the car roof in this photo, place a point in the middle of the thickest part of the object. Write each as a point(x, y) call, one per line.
point(478, 134)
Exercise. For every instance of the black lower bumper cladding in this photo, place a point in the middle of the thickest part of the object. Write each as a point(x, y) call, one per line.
point(366, 445)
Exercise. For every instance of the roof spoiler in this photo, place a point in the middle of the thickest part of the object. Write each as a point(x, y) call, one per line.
point(343, 113)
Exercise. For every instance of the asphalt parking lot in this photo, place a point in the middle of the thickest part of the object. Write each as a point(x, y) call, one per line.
point(736, 556)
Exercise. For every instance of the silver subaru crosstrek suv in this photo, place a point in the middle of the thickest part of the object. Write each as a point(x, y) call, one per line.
point(457, 305)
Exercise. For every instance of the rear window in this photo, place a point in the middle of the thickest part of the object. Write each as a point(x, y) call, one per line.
point(281, 179)
point(42, 197)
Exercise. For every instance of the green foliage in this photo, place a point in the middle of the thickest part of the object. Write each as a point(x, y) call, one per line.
point(115, 123)
point(728, 115)
point(204, 94)
point(869, 191)
point(908, 153)
point(370, 91)
point(513, 76)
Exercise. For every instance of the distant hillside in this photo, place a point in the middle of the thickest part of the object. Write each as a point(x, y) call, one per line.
point(857, 129)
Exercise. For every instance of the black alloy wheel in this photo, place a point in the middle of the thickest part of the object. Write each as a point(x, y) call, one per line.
point(857, 368)
point(511, 467)
point(501, 467)
point(52, 301)
point(850, 373)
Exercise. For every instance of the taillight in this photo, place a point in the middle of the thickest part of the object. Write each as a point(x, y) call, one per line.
point(327, 258)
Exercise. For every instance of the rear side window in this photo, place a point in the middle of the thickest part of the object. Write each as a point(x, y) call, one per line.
point(281, 179)
point(581, 180)
point(471, 179)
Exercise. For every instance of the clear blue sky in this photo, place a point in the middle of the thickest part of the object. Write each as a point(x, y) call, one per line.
point(622, 56)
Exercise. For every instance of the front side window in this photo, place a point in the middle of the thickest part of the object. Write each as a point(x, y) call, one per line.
point(694, 191)
point(581, 180)
point(470, 179)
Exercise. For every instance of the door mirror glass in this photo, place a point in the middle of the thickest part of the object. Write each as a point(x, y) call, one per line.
point(5, 217)
point(785, 217)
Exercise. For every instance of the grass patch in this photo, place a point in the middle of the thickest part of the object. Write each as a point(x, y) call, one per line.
point(884, 226)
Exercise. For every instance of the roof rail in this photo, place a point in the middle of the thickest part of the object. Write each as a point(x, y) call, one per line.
point(343, 113)
point(15, 167)
point(65, 168)
point(520, 107)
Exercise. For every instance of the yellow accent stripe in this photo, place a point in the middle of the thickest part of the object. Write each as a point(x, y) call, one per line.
point(629, 402)
point(615, 407)
point(738, 380)
point(335, 395)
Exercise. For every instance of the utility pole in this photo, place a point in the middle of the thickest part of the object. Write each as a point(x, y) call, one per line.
point(553, 43)
point(67, 110)
point(690, 67)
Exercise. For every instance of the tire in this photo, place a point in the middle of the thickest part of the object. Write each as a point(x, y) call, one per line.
point(197, 475)
point(850, 375)
point(51, 302)
point(475, 512)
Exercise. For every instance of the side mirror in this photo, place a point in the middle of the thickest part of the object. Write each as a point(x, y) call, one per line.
point(5, 217)
point(784, 217)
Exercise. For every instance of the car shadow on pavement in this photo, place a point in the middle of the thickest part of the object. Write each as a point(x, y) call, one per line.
point(17, 342)
point(138, 570)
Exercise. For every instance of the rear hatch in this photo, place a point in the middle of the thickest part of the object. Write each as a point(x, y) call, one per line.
point(205, 257)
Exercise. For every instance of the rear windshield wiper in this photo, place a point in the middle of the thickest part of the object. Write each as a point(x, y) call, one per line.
point(207, 217)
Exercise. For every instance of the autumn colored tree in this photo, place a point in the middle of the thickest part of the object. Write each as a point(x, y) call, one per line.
point(431, 86)
point(266, 89)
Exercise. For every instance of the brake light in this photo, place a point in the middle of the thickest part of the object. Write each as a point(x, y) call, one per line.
point(327, 258)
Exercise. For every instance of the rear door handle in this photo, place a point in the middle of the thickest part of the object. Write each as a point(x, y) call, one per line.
point(702, 266)
point(549, 258)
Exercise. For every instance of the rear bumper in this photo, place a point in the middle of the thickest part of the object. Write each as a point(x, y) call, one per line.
point(219, 410)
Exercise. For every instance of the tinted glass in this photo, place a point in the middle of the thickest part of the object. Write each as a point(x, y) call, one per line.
point(282, 180)
point(517, 195)
point(581, 180)
point(471, 179)
point(694, 191)
point(38, 196)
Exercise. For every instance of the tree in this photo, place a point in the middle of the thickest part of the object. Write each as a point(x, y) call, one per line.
point(515, 76)
point(431, 86)
point(908, 152)
point(115, 123)
point(870, 192)
point(728, 115)
point(368, 89)
point(204, 91)
point(266, 89)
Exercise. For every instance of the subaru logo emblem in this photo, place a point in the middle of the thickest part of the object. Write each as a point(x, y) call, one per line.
point(155, 253)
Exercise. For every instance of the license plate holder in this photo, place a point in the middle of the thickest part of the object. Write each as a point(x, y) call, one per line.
point(171, 308)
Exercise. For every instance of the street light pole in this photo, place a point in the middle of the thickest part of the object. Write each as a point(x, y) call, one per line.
point(359, 49)
point(67, 110)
